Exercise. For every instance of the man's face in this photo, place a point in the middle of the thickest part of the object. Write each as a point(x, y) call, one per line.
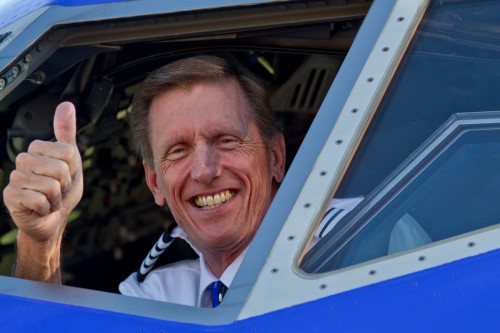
point(211, 165)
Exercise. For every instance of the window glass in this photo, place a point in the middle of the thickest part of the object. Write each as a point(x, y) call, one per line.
point(452, 66)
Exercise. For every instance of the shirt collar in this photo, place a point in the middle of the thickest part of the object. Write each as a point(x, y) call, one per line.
point(206, 276)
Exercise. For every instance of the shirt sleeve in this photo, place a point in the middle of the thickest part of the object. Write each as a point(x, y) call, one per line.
point(176, 283)
point(131, 287)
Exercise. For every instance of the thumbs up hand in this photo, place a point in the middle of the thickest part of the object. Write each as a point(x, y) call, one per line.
point(46, 185)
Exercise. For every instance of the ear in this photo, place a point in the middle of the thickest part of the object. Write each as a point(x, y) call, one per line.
point(151, 180)
point(278, 156)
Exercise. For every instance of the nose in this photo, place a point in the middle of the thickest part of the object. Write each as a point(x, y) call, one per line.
point(205, 164)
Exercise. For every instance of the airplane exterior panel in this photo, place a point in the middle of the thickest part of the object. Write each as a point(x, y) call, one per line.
point(461, 296)
point(19, 9)
point(451, 284)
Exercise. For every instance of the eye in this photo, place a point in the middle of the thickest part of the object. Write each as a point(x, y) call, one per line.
point(228, 141)
point(176, 152)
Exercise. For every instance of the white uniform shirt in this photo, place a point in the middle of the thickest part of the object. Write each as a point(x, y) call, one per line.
point(184, 282)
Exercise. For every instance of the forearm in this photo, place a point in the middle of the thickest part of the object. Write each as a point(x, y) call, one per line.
point(38, 261)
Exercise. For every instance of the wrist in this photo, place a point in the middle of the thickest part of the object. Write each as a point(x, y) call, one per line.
point(38, 261)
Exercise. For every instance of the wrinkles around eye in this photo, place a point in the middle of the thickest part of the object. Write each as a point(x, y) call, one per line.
point(176, 154)
point(229, 143)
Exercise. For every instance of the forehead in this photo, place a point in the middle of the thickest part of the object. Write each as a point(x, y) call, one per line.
point(200, 93)
point(202, 106)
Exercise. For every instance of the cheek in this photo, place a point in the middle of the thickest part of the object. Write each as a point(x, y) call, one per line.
point(166, 182)
point(260, 179)
point(174, 178)
point(264, 168)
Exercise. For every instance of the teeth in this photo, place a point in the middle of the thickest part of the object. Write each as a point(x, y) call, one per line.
point(209, 201)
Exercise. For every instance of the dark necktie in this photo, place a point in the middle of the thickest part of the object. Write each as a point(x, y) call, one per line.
point(217, 292)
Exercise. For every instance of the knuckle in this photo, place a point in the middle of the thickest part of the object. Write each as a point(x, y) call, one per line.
point(21, 159)
point(53, 189)
point(15, 176)
point(18, 177)
point(35, 145)
point(64, 174)
point(61, 167)
point(39, 204)
point(7, 192)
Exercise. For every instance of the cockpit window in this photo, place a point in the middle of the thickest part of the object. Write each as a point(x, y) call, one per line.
point(416, 196)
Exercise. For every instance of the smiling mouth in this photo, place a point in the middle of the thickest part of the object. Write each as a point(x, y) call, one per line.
point(213, 201)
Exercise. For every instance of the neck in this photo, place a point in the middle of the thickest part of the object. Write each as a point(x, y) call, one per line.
point(218, 263)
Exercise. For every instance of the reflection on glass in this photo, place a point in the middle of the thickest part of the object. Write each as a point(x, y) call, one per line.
point(451, 66)
point(450, 186)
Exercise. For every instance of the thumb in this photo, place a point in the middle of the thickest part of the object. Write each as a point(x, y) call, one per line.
point(65, 123)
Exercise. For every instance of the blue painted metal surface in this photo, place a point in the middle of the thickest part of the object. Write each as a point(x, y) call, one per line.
point(13, 10)
point(462, 296)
